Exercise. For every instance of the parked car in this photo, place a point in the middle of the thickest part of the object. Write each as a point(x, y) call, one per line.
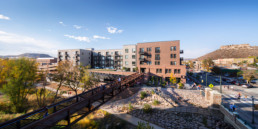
point(217, 80)
point(255, 81)
point(247, 86)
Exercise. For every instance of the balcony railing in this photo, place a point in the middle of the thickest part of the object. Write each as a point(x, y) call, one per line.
point(181, 51)
point(141, 59)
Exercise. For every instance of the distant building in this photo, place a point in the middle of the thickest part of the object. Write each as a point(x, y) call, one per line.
point(161, 59)
point(109, 58)
point(76, 56)
point(47, 64)
point(129, 60)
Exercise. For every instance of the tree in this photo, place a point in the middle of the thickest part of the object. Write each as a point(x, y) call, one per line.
point(3, 69)
point(239, 73)
point(74, 78)
point(60, 76)
point(172, 79)
point(20, 77)
point(207, 64)
point(89, 79)
point(249, 75)
point(216, 70)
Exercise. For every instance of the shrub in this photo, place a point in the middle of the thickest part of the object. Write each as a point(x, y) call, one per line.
point(152, 92)
point(180, 85)
point(163, 84)
point(143, 94)
point(156, 102)
point(130, 107)
point(142, 125)
point(147, 108)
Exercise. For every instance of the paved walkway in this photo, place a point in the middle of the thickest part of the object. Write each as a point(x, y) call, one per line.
point(129, 118)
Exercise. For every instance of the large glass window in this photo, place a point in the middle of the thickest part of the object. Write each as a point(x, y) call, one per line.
point(173, 48)
point(157, 57)
point(141, 49)
point(173, 63)
point(133, 50)
point(126, 50)
point(157, 49)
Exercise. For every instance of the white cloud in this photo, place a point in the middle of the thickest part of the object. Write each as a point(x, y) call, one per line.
point(79, 38)
point(62, 23)
point(77, 27)
point(4, 17)
point(100, 37)
point(17, 44)
point(113, 30)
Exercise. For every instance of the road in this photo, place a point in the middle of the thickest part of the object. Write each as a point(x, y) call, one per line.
point(244, 105)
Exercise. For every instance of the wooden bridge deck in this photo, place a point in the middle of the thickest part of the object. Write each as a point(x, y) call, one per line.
point(49, 116)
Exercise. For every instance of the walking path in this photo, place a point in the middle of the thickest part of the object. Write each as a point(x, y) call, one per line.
point(129, 118)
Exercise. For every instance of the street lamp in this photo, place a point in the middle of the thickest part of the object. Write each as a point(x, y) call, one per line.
point(252, 109)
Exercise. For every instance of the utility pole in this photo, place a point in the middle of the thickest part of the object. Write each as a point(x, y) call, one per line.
point(220, 85)
point(206, 80)
point(252, 109)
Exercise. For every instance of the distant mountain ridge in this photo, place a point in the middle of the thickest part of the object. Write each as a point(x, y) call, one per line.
point(231, 51)
point(28, 55)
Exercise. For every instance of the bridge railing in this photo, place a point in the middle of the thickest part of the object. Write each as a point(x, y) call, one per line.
point(33, 116)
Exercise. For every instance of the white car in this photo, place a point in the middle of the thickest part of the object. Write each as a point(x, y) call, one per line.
point(247, 86)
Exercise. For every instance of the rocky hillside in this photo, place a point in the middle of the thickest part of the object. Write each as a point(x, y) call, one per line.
point(29, 55)
point(232, 51)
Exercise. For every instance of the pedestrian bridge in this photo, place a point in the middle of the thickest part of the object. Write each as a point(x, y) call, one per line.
point(49, 116)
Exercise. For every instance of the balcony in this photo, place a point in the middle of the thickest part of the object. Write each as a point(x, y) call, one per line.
point(181, 51)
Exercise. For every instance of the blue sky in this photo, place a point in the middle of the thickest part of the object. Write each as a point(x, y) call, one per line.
point(44, 26)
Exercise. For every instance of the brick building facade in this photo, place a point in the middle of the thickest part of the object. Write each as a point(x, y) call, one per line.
point(160, 59)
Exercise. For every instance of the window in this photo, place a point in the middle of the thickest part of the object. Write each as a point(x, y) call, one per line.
point(158, 70)
point(126, 62)
point(157, 49)
point(103, 57)
point(133, 50)
point(175, 71)
point(133, 63)
point(173, 48)
point(133, 56)
point(111, 62)
point(112, 53)
point(141, 49)
point(149, 62)
point(179, 71)
point(141, 63)
point(173, 63)
point(149, 56)
point(107, 53)
point(142, 57)
point(172, 55)
point(126, 56)
point(157, 63)
point(167, 70)
point(126, 50)
point(112, 57)
point(149, 49)
point(157, 57)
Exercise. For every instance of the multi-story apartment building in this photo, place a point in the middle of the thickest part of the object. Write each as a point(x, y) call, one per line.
point(76, 56)
point(129, 54)
point(161, 59)
point(110, 58)
point(47, 64)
